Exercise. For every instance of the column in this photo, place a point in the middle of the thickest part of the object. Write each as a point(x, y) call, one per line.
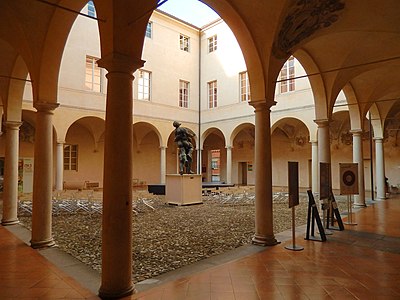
point(116, 275)
point(163, 163)
point(43, 176)
point(10, 184)
point(358, 157)
point(60, 166)
point(264, 233)
point(199, 160)
point(324, 146)
point(380, 170)
point(314, 167)
point(229, 164)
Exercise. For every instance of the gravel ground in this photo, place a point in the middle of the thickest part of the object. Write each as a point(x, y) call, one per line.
point(170, 237)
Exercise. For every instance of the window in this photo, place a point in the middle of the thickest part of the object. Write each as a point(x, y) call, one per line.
point(184, 42)
point(71, 157)
point(91, 10)
point(149, 30)
point(287, 75)
point(183, 94)
point(212, 94)
point(212, 44)
point(244, 87)
point(144, 85)
point(93, 75)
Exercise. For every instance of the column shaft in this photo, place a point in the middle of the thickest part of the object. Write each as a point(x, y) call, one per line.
point(314, 166)
point(10, 184)
point(116, 275)
point(43, 177)
point(229, 164)
point(163, 164)
point(358, 157)
point(264, 233)
point(60, 166)
point(380, 169)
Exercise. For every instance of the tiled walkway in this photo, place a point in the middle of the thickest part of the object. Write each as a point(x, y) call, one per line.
point(362, 262)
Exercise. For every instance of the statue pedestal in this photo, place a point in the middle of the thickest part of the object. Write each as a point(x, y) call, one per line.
point(183, 189)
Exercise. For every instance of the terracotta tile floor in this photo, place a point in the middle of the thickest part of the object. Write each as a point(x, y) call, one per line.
point(362, 262)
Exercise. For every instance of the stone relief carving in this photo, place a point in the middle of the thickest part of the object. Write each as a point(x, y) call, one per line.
point(303, 19)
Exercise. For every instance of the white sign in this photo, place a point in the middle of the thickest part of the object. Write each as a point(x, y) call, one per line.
point(348, 178)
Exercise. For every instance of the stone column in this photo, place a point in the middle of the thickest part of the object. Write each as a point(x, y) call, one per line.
point(163, 164)
point(358, 157)
point(10, 184)
point(380, 169)
point(43, 176)
point(324, 145)
point(60, 166)
point(264, 233)
point(229, 164)
point(116, 275)
point(199, 160)
point(314, 167)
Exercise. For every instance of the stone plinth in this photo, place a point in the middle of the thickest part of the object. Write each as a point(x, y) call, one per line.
point(183, 189)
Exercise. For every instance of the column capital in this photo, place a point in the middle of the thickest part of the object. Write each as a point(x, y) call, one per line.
point(313, 142)
point(229, 147)
point(322, 122)
point(262, 104)
point(60, 142)
point(378, 139)
point(12, 124)
point(356, 132)
point(120, 63)
point(47, 107)
point(163, 147)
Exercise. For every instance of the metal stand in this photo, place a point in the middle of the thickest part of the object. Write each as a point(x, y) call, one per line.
point(294, 247)
point(349, 212)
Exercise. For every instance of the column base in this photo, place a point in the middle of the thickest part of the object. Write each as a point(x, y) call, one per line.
point(9, 222)
point(264, 240)
point(359, 205)
point(43, 244)
point(116, 295)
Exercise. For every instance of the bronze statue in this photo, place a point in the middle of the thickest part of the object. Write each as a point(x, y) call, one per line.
point(183, 139)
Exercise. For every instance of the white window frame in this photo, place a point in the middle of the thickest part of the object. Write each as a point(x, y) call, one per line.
point(212, 44)
point(93, 75)
point(184, 42)
point(184, 90)
point(244, 87)
point(287, 75)
point(149, 30)
point(144, 85)
point(212, 94)
point(70, 157)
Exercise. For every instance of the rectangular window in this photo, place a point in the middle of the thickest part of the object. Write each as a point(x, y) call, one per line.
point(149, 30)
point(212, 94)
point(91, 10)
point(244, 87)
point(212, 43)
point(184, 42)
point(183, 94)
point(287, 75)
point(71, 157)
point(93, 75)
point(144, 85)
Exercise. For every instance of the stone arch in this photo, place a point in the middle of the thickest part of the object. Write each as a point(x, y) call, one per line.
point(242, 140)
point(316, 82)
point(290, 142)
point(147, 144)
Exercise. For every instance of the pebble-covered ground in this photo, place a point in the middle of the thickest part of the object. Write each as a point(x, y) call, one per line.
point(169, 237)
